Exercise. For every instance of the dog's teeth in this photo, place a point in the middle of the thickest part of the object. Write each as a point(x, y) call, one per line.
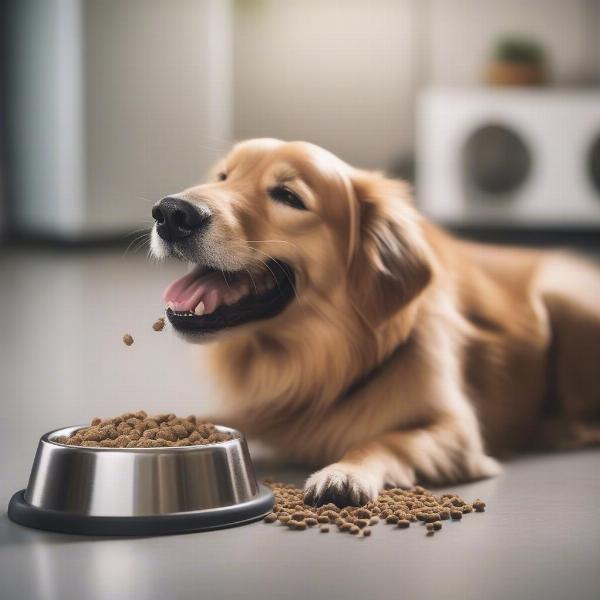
point(199, 310)
point(171, 305)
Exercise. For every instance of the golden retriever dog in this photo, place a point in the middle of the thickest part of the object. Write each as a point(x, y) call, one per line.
point(352, 334)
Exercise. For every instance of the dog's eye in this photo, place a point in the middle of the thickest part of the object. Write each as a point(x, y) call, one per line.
point(222, 176)
point(285, 196)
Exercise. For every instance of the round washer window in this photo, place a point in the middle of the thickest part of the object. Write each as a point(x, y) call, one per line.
point(496, 160)
point(594, 164)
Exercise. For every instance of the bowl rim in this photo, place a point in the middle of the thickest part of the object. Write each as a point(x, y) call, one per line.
point(47, 438)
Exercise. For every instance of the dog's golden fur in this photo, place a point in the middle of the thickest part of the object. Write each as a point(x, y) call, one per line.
point(407, 353)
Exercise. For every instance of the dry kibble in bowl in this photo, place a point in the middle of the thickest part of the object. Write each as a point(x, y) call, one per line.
point(138, 430)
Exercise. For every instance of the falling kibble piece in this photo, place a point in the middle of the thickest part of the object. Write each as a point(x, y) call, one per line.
point(128, 339)
point(159, 324)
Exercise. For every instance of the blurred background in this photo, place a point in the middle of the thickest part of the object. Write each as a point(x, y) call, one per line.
point(491, 108)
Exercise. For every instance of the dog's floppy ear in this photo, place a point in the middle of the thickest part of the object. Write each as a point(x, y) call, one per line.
point(390, 264)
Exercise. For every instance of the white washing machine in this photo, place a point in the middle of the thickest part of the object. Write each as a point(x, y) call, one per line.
point(524, 157)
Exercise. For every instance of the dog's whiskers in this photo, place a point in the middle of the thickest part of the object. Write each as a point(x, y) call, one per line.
point(291, 282)
point(272, 242)
point(135, 244)
point(252, 279)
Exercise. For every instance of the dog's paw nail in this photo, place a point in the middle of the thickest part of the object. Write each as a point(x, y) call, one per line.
point(342, 486)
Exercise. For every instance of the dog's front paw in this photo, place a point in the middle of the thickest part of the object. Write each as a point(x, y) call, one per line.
point(341, 484)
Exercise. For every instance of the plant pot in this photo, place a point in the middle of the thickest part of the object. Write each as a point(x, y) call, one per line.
point(503, 73)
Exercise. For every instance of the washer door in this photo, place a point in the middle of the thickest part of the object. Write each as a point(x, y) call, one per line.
point(496, 162)
point(593, 164)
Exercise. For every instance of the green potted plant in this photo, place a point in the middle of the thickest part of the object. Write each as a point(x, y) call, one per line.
point(517, 62)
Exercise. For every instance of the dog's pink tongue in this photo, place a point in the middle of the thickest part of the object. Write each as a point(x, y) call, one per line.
point(185, 293)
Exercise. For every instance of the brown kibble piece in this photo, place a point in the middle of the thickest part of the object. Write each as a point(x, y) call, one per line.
point(456, 514)
point(437, 525)
point(324, 528)
point(271, 518)
point(479, 505)
point(159, 324)
point(366, 532)
point(128, 339)
point(403, 524)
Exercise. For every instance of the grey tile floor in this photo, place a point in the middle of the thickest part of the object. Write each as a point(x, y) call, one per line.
point(62, 361)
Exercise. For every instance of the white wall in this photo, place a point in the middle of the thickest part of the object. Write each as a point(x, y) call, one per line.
point(334, 72)
point(157, 102)
point(345, 73)
point(462, 33)
point(113, 105)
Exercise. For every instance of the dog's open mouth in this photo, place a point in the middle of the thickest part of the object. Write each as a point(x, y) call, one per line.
point(207, 300)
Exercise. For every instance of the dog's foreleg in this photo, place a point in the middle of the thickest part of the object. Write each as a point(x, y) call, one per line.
point(444, 452)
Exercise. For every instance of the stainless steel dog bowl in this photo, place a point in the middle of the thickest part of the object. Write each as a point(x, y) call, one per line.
point(140, 491)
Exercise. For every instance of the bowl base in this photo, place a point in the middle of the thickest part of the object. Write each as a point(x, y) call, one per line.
point(25, 514)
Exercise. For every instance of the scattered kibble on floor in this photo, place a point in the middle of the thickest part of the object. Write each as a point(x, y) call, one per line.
point(127, 339)
point(395, 507)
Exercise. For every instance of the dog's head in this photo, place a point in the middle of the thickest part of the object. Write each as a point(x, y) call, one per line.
point(286, 226)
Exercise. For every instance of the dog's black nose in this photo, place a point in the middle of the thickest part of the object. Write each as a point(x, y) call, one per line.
point(177, 219)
